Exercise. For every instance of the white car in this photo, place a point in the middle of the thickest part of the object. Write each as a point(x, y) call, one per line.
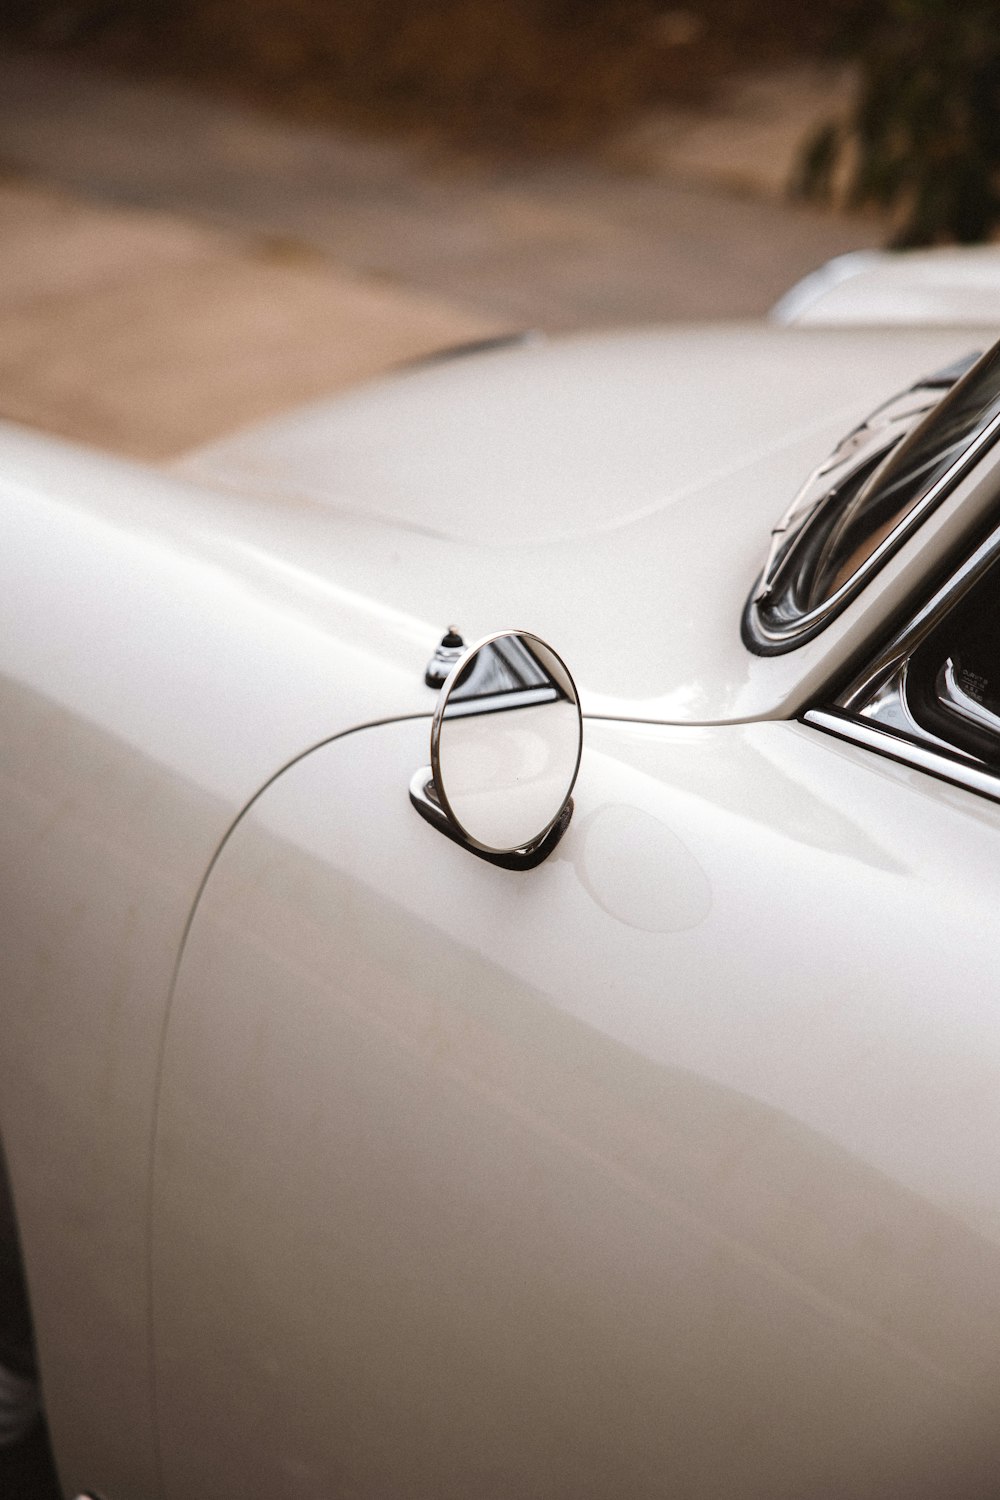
point(408, 1115)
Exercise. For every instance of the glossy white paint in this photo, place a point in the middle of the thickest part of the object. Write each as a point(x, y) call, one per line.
point(165, 649)
point(914, 288)
point(615, 494)
point(667, 1168)
point(154, 672)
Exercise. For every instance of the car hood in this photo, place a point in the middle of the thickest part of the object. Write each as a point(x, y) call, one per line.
point(614, 494)
point(865, 288)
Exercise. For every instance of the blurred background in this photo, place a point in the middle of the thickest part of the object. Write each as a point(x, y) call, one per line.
point(528, 74)
point(211, 210)
point(552, 75)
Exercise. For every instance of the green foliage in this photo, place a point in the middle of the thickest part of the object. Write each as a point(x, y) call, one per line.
point(924, 137)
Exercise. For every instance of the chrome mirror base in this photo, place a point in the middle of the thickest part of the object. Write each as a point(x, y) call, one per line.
point(423, 795)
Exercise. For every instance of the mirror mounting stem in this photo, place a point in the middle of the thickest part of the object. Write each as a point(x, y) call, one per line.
point(423, 795)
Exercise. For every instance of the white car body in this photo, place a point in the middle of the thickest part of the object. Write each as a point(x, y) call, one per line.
point(346, 1164)
point(947, 288)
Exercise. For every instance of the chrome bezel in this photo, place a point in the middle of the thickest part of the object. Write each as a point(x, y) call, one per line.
point(872, 711)
point(427, 792)
point(947, 766)
point(768, 639)
point(423, 796)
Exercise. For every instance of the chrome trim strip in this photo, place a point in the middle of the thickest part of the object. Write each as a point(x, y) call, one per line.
point(767, 638)
point(873, 442)
point(873, 711)
point(954, 697)
point(890, 659)
point(889, 708)
point(886, 547)
point(909, 752)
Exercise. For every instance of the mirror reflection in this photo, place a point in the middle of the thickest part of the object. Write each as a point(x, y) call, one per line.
point(505, 742)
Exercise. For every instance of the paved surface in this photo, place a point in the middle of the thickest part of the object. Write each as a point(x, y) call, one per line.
point(137, 331)
point(172, 266)
point(554, 245)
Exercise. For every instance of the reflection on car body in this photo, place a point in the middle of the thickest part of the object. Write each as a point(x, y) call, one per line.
point(624, 1123)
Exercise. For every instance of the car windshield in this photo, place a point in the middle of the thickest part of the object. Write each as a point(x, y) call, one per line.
point(859, 505)
point(910, 471)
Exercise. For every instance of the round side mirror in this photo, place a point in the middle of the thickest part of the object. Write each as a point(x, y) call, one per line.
point(506, 740)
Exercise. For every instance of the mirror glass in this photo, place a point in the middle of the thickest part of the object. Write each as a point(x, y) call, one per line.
point(505, 741)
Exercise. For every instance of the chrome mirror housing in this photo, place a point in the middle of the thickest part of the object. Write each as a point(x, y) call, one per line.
point(506, 740)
